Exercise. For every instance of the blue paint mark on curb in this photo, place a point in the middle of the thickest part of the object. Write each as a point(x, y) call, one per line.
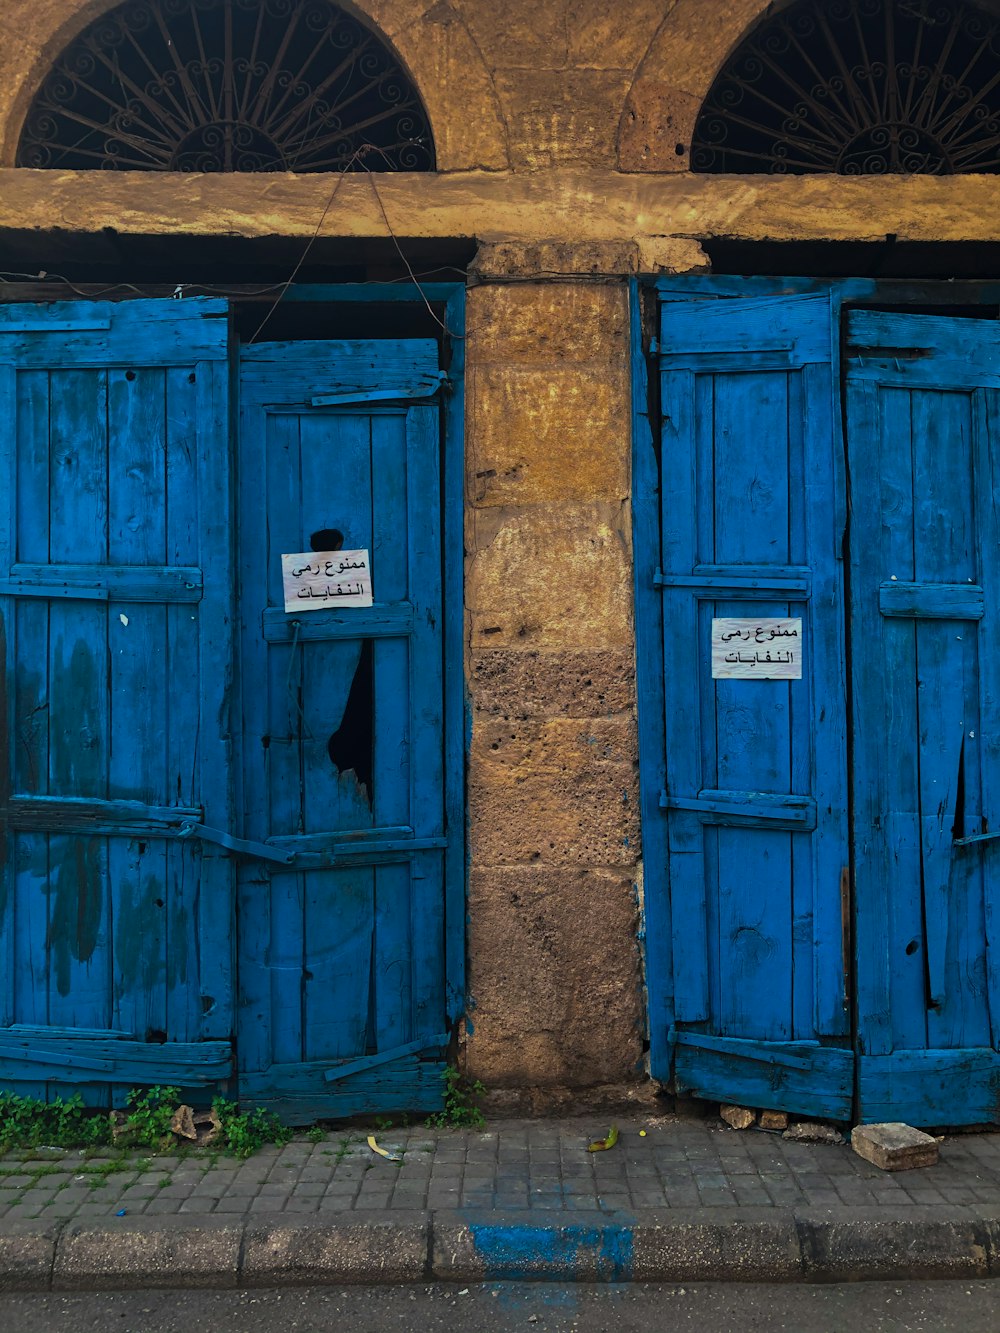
point(574, 1253)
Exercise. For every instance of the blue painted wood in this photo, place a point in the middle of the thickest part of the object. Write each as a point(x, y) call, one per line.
point(924, 456)
point(748, 510)
point(140, 333)
point(934, 1089)
point(300, 1094)
point(109, 425)
point(798, 1076)
point(342, 956)
point(75, 1057)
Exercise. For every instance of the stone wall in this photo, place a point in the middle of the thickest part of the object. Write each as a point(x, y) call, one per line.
point(555, 988)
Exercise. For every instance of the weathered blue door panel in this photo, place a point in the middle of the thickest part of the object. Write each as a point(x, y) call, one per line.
point(115, 577)
point(342, 953)
point(755, 793)
point(922, 399)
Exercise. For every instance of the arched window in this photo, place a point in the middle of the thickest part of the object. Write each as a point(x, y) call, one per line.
point(227, 85)
point(858, 87)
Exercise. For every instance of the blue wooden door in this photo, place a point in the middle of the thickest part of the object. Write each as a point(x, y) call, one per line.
point(923, 400)
point(115, 612)
point(341, 915)
point(755, 779)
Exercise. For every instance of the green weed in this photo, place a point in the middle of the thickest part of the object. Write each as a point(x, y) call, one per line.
point(243, 1132)
point(460, 1109)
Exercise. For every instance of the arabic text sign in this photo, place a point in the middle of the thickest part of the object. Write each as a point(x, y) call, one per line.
point(324, 580)
point(757, 649)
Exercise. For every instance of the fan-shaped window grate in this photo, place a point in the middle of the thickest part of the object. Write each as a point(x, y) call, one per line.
point(227, 85)
point(858, 87)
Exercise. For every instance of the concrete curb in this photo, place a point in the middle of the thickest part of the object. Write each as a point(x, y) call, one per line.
point(717, 1244)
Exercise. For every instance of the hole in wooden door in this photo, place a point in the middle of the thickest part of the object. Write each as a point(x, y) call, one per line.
point(327, 539)
point(352, 745)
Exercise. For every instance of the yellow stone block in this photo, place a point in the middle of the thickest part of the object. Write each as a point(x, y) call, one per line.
point(550, 576)
point(546, 323)
point(537, 435)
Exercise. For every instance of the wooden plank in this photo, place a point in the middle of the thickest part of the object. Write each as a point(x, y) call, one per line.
point(945, 541)
point(28, 977)
point(103, 582)
point(338, 905)
point(9, 442)
point(79, 933)
point(747, 807)
point(379, 621)
point(139, 686)
point(300, 1095)
point(879, 722)
point(393, 943)
point(751, 512)
point(183, 548)
point(114, 1061)
point(259, 547)
point(426, 719)
point(934, 1089)
point(216, 903)
point(797, 326)
point(898, 349)
point(77, 814)
point(338, 1073)
point(985, 748)
point(783, 1076)
point(937, 601)
point(141, 333)
point(819, 712)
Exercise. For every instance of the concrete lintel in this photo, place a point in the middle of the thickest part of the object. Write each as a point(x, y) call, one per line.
point(658, 213)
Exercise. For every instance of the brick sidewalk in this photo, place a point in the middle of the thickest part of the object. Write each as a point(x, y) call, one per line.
point(537, 1167)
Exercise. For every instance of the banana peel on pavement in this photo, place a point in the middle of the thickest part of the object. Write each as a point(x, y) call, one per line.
point(602, 1145)
point(389, 1156)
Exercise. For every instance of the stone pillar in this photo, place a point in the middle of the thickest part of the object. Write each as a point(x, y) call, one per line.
point(554, 969)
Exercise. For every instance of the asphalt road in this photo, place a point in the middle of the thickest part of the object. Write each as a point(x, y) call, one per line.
point(877, 1307)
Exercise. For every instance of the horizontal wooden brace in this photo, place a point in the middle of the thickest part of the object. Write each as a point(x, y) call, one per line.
point(797, 1055)
point(86, 1059)
point(72, 814)
point(15, 325)
point(337, 1072)
point(931, 601)
point(104, 583)
point(424, 387)
point(711, 582)
point(389, 621)
point(765, 809)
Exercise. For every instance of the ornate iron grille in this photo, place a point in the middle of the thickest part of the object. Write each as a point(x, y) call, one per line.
point(227, 85)
point(858, 87)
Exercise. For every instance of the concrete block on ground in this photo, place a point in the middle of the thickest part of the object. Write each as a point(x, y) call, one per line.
point(27, 1252)
point(894, 1146)
point(363, 1247)
point(155, 1252)
point(809, 1131)
point(861, 1244)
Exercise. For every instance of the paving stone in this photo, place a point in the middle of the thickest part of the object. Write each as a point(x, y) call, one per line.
point(894, 1146)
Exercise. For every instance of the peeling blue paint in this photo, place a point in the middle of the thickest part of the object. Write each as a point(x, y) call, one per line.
point(572, 1253)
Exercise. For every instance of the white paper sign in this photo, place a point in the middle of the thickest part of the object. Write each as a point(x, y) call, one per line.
point(326, 580)
point(757, 649)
